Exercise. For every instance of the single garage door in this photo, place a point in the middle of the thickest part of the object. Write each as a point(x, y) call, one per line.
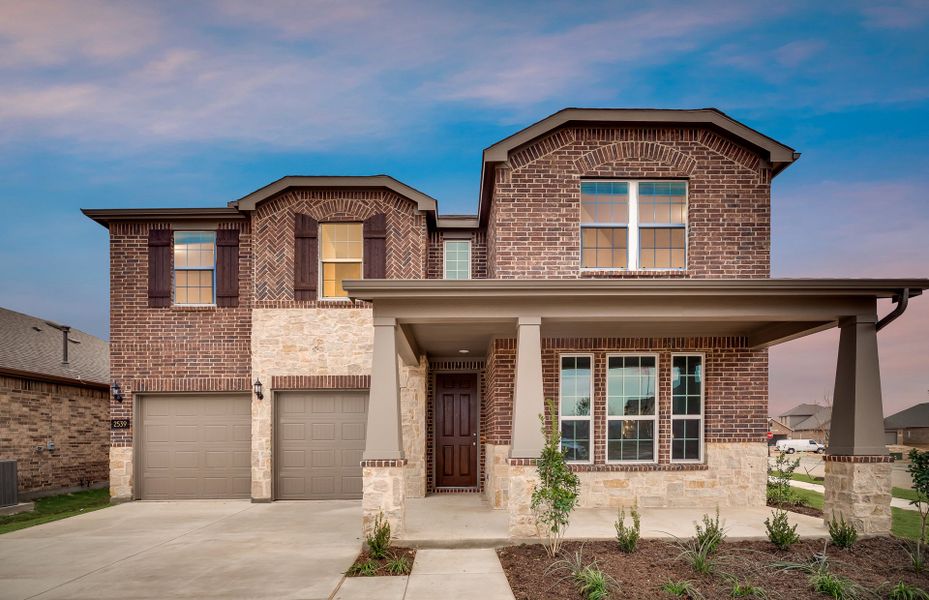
point(320, 440)
point(195, 447)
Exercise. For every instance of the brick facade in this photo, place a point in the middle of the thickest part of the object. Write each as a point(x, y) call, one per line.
point(435, 266)
point(74, 418)
point(534, 220)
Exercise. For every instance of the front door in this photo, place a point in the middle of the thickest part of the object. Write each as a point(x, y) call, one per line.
point(456, 429)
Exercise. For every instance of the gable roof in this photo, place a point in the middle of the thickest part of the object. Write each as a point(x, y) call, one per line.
point(818, 420)
point(914, 416)
point(801, 410)
point(33, 346)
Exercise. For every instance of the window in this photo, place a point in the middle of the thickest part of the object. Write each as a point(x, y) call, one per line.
point(194, 267)
point(457, 259)
point(687, 407)
point(631, 408)
point(633, 225)
point(340, 256)
point(575, 407)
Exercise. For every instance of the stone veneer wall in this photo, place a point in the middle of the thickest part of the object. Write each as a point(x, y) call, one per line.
point(413, 426)
point(858, 489)
point(383, 493)
point(496, 475)
point(121, 469)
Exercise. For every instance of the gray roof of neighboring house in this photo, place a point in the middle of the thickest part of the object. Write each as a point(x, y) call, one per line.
point(30, 345)
point(819, 419)
point(914, 416)
point(801, 410)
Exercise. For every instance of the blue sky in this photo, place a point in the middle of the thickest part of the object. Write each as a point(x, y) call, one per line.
point(116, 104)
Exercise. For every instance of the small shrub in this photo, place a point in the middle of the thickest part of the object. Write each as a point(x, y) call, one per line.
point(905, 591)
point(744, 590)
point(710, 532)
point(698, 554)
point(781, 534)
point(627, 537)
point(779, 477)
point(592, 583)
point(379, 539)
point(398, 565)
point(843, 534)
point(834, 586)
point(555, 496)
point(364, 568)
point(681, 589)
point(914, 552)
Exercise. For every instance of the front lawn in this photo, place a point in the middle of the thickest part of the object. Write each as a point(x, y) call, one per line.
point(54, 508)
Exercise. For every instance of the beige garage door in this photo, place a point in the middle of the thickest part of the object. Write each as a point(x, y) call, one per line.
point(195, 447)
point(320, 440)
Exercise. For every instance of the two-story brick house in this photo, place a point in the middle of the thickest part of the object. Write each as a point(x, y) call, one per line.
point(336, 337)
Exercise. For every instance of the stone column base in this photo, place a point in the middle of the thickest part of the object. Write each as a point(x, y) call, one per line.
point(523, 478)
point(496, 474)
point(120, 474)
point(858, 489)
point(383, 492)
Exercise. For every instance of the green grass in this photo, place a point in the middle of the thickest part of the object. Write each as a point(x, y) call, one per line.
point(905, 523)
point(54, 508)
point(807, 478)
point(810, 498)
point(896, 492)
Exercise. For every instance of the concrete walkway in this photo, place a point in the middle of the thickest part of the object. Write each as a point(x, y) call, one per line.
point(815, 487)
point(185, 549)
point(437, 573)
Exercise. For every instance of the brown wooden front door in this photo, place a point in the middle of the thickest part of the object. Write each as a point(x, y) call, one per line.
point(456, 429)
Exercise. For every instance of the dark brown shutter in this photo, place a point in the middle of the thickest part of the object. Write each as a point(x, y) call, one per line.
point(375, 248)
point(159, 268)
point(227, 267)
point(306, 257)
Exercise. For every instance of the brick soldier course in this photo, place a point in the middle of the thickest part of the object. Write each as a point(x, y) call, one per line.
point(528, 302)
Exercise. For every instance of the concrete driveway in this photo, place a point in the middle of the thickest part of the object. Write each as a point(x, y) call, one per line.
point(189, 549)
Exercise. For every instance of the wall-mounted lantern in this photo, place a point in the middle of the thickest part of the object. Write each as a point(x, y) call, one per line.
point(258, 390)
point(116, 391)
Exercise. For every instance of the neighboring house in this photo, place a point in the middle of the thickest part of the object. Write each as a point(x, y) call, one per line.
point(909, 426)
point(777, 430)
point(618, 264)
point(54, 404)
point(809, 421)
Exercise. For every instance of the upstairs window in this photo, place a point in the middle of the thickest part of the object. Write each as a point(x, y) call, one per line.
point(634, 225)
point(194, 267)
point(457, 259)
point(340, 256)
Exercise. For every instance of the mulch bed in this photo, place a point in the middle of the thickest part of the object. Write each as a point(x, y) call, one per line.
point(640, 575)
point(410, 554)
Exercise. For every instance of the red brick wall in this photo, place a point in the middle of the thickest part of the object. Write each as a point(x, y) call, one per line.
point(736, 385)
point(435, 267)
point(196, 349)
point(500, 377)
point(75, 418)
point(274, 237)
point(533, 229)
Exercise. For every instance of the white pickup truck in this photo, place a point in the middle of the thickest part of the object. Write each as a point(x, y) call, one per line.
point(791, 446)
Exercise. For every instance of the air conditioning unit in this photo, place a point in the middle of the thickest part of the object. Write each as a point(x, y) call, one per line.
point(8, 483)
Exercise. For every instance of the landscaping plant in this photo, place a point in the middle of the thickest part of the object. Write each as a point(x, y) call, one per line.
point(399, 565)
point(555, 496)
point(681, 589)
point(745, 590)
point(627, 537)
point(834, 586)
point(364, 568)
point(780, 532)
point(919, 472)
point(843, 534)
point(905, 591)
point(379, 539)
point(591, 582)
point(710, 532)
point(697, 553)
point(779, 477)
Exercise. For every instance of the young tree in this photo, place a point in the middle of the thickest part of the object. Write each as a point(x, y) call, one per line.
point(555, 496)
point(919, 471)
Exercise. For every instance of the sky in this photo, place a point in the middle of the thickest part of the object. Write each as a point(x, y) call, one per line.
point(135, 104)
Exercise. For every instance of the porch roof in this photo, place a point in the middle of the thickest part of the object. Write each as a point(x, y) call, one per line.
point(442, 317)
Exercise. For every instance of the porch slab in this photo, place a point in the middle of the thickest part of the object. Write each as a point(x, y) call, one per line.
point(468, 521)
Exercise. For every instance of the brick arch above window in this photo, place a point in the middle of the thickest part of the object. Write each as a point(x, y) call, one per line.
point(636, 150)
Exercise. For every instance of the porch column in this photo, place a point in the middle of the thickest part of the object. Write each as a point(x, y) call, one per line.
point(528, 399)
point(857, 464)
point(383, 491)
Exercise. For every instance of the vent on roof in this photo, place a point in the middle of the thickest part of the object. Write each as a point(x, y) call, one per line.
point(36, 328)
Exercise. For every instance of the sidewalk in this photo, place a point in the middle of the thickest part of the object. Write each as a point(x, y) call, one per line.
point(815, 487)
point(459, 573)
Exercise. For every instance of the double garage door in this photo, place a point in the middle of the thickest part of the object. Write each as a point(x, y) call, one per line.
point(199, 446)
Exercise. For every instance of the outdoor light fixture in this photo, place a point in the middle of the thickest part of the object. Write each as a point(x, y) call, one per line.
point(463, 351)
point(258, 390)
point(117, 391)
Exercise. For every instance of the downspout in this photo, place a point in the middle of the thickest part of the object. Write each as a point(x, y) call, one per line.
point(902, 300)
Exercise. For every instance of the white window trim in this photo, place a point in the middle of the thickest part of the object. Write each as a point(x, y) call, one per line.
point(445, 244)
point(175, 269)
point(321, 286)
point(589, 418)
point(687, 417)
point(633, 227)
point(653, 418)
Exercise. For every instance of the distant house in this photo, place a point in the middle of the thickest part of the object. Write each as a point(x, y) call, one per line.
point(910, 426)
point(808, 421)
point(54, 404)
point(778, 431)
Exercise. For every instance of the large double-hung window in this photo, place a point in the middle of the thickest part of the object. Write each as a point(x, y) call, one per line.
point(575, 409)
point(687, 407)
point(634, 225)
point(195, 268)
point(632, 408)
